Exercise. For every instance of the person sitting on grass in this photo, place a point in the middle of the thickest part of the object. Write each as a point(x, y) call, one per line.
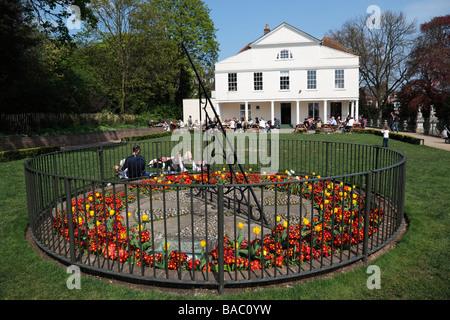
point(135, 163)
point(122, 174)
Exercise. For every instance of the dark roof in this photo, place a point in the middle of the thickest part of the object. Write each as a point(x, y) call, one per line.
point(331, 43)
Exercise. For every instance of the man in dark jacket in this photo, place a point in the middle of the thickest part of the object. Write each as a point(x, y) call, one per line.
point(135, 163)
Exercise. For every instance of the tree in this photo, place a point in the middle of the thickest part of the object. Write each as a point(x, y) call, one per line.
point(188, 22)
point(430, 68)
point(52, 15)
point(116, 27)
point(383, 51)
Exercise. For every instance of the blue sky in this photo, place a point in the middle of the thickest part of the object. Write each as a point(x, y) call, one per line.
point(240, 22)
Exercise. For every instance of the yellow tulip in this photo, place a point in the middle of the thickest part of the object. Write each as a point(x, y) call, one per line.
point(202, 243)
point(144, 217)
point(278, 219)
point(111, 212)
point(305, 221)
point(240, 225)
point(256, 230)
point(285, 224)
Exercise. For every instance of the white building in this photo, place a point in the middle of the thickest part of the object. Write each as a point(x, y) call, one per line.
point(285, 74)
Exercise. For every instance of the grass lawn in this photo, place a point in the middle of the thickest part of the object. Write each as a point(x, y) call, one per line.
point(418, 268)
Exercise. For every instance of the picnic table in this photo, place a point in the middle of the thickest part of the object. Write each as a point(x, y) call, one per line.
point(327, 126)
point(300, 126)
point(254, 126)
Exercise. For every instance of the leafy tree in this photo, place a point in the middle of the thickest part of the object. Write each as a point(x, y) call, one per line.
point(188, 22)
point(430, 65)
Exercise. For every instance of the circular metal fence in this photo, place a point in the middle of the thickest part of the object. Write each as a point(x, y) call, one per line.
point(217, 225)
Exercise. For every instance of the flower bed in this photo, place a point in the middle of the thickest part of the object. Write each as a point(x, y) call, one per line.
point(102, 228)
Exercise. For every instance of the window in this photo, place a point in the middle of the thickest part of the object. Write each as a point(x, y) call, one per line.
point(257, 81)
point(284, 54)
point(232, 82)
point(242, 111)
point(313, 110)
point(339, 79)
point(312, 79)
point(284, 80)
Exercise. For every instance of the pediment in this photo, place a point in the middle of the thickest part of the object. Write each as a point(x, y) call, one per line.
point(285, 34)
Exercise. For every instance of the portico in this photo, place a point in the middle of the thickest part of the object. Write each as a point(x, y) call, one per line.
point(290, 112)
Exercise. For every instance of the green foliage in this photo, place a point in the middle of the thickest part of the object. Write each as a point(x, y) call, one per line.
point(392, 135)
point(10, 155)
point(147, 136)
point(138, 67)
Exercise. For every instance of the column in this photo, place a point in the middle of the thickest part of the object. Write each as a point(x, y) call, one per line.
point(246, 110)
point(272, 112)
point(325, 111)
point(218, 109)
point(352, 114)
point(297, 108)
point(357, 109)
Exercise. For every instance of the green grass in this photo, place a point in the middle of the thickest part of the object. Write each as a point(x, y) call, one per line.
point(418, 268)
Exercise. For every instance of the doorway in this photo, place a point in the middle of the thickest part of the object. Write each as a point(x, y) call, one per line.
point(336, 109)
point(285, 111)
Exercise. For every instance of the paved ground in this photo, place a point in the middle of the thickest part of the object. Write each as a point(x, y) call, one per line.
point(431, 141)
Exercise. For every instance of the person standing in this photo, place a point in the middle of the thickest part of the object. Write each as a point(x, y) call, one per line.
point(395, 122)
point(189, 123)
point(385, 133)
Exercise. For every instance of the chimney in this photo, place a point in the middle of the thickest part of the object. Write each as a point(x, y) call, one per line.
point(266, 30)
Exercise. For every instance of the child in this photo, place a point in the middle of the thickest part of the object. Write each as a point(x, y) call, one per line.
point(385, 133)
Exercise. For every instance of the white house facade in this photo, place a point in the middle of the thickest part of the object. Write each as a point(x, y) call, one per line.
point(286, 74)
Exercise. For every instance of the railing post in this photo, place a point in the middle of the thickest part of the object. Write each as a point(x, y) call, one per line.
point(220, 236)
point(367, 215)
point(70, 219)
point(102, 165)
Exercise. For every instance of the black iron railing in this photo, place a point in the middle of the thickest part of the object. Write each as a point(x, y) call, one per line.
point(329, 204)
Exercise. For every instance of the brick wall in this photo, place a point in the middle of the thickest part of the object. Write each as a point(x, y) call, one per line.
point(69, 140)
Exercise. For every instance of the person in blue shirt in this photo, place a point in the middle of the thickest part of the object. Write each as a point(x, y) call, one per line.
point(135, 163)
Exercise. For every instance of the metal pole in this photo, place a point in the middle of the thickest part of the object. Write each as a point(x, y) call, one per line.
point(70, 220)
point(367, 215)
point(220, 223)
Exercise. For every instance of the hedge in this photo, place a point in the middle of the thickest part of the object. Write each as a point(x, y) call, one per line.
point(18, 154)
point(147, 136)
point(392, 135)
